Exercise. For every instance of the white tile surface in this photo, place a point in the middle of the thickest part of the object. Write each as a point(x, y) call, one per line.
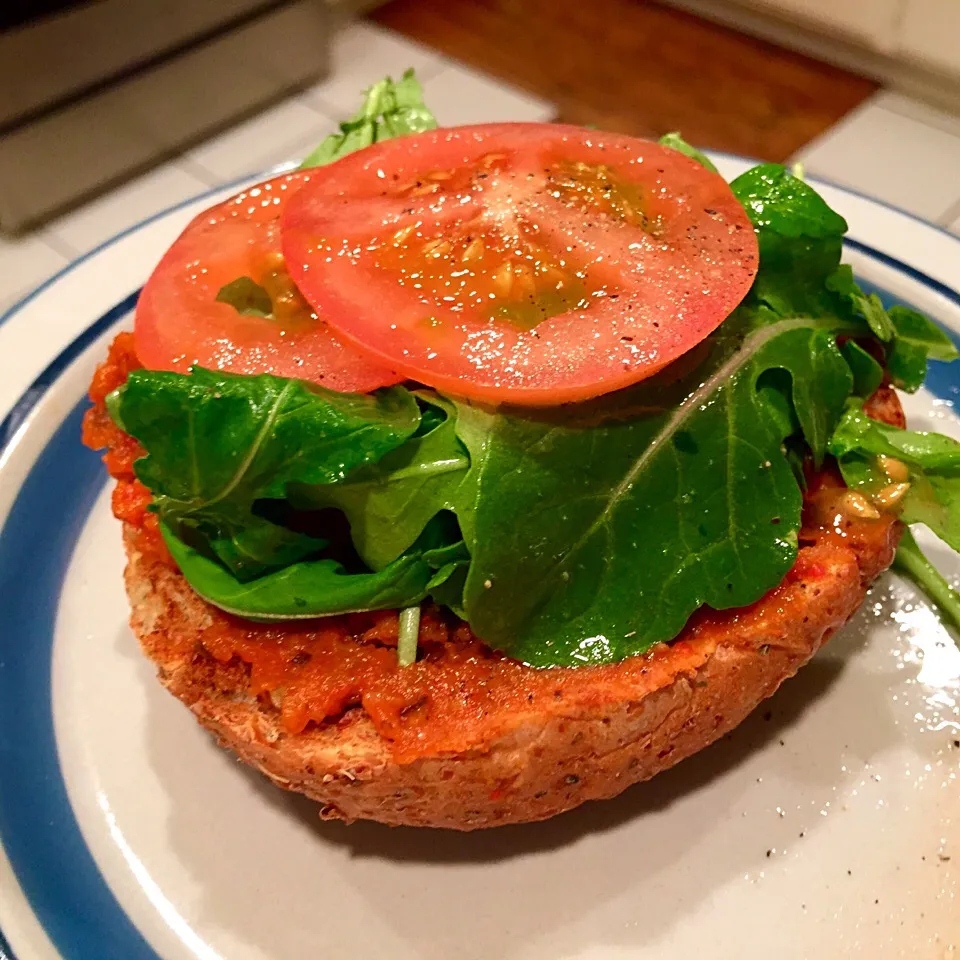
point(100, 219)
point(918, 110)
point(459, 95)
point(24, 263)
point(362, 54)
point(274, 136)
point(883, 152)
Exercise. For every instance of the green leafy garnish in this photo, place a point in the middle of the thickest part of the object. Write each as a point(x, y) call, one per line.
point(247, 297)
point(674, 141)
point(933, 460)
point(409, 630)
point(868, 306)
point(800, 240)
point(909, 338)
point(220, 444)
point(594, 538)
point(389, 110)
point(867, 372)
point(910, 560)
point(916, 340)
point(303, 590)
point(389, 503)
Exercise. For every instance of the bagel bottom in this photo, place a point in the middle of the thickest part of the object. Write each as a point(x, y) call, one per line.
point(543, 766)
point(474, 739)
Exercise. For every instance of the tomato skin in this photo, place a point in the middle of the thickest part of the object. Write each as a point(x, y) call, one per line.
point(654, 293)
point(180, 323)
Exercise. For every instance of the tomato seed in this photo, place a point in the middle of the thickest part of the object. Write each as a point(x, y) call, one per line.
point(502, 279)
point(437, 248)
point(474, 250)
point(402, 234)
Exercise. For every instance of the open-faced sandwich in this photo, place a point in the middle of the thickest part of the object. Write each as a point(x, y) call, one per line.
point(469, 474)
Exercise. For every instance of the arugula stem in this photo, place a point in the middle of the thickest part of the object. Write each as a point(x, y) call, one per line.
point(409, 631)
point(911, 561)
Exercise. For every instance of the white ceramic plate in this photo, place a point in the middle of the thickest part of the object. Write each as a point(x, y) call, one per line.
point(825, 826)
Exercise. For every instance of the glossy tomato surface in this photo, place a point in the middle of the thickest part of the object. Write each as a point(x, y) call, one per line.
point(524, 263)
point(180, 322)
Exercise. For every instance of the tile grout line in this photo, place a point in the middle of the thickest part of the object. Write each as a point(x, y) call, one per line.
point(951, 214)
point(949, 124)
point(56, 243)
point(197, 169)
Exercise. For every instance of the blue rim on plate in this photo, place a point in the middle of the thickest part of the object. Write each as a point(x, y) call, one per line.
point(40, 835)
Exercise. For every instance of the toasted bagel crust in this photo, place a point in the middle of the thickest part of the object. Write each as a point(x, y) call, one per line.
point(542, 767)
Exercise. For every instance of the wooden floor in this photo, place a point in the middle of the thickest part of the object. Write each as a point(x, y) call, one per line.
point(641, 68)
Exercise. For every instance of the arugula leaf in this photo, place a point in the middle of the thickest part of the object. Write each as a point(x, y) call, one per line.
point(907, 365)
point(448, 584)
point(799, 236)
point(778, 201)
point(322, 585)
point(868, 306)
point(917, 340)
point(800, 240)
point(389, 503)
point(218, 442)
point(933, 497)
point(312, 588)
point(910, 560)
point(910, 339)
point(247, 297)
point(867, 372)
point(257, 547)
point(594, 537)
point(674, 141)
point(389, 110)
point(920, 331)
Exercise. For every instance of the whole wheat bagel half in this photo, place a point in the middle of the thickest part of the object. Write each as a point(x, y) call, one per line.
point(601, 730)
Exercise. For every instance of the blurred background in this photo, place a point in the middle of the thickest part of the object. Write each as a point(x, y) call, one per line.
point(111, 110)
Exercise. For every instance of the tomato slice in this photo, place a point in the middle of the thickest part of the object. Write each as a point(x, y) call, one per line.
point(179, 321)
point(524, 263)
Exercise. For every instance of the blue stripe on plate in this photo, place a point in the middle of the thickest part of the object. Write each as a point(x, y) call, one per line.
point(38, 828)
point(41, 837)
point(5, 952)
point(40, 833)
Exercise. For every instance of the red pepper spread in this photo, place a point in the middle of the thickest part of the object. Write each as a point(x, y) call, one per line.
point(460, 693)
